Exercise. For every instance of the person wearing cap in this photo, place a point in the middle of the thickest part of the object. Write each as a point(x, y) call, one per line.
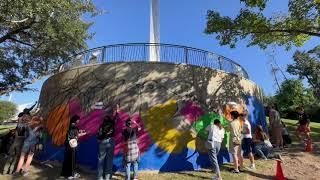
point(16, 147)
point(235, 139)
point(106, 149)
point(34, 129)
point(131, 148)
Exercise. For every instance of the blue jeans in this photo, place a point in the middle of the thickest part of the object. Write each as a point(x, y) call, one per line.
point(105, 159)
point(213, 156)
point(263, 151)
point(135, 169)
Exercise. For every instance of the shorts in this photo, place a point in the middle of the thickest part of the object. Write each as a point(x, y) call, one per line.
point(28, 147)
point(247, 146)
point(303, 129)
point(235, 149)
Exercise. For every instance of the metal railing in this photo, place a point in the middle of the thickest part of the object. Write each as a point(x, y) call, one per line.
point(176, 54)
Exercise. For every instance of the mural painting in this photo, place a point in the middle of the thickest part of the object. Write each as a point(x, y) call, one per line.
point(172, 103)
point(167, 130)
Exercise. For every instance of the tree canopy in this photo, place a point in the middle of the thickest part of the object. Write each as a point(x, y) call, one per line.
point(292, 28)
point(307, 66)
point(37, 36)
point(7, 110)
point(293, 94)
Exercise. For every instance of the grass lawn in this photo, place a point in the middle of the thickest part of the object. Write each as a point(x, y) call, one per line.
point(5, 128)
point(291, 126)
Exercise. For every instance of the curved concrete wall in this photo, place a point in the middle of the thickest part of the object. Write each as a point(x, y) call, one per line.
point(173, 103)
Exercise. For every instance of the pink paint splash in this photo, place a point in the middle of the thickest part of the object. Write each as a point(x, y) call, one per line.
point(144, 141)
point(191, 111)
point(92, 121)
point(89, 122)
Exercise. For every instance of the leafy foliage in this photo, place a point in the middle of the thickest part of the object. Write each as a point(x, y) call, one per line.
point(37, 36)
point(7, 110)
point(307, 66)
point(291, 29)
point(293, 94)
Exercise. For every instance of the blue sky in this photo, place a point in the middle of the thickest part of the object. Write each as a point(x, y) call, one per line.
point(183, 23)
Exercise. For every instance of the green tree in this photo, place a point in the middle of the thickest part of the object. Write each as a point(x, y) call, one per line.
point(292, 28)
point(7, 110)
point(293, 94)
point(37, 36)
point(290, 94)
point(307, 66)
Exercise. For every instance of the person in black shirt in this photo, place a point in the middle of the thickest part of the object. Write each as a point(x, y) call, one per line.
point(69, 162)
point(106, 149)
point(303, 124)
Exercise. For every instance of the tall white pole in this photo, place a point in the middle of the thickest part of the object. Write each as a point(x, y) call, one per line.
point(10, 97)
point(154, 31)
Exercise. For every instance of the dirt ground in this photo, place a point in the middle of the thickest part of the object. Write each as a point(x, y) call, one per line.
point(296, 165)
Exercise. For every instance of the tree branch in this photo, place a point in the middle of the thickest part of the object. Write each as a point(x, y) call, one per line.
point(289, 31)
point(16, 31)
point(21, 42)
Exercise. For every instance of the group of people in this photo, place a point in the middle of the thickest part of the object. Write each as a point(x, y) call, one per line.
point(243, 142)
point(26, 142)
point(279, 133)
point(106, 142)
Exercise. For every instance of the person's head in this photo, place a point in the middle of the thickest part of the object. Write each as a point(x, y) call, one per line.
point(74, 119)
point(234, 114)
point(25, 118)
point(300, 110)
point(217, 122)
point(36, 121)
point(128, 123)
point(274, 106)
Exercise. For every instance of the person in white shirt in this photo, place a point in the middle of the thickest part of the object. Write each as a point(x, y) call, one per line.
point(215, 137)
point(247, 142)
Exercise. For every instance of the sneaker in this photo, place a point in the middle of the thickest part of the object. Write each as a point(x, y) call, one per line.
point(252, 167)
point(25, 173)
point(76, 175)
point(241, 169)
point(235, 171)
point(16, 174)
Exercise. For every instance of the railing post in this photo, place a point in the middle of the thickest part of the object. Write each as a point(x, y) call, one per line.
point(186, 55)
point(145, 52)
point(219, 61)
point(122, 54)
point(104, 59)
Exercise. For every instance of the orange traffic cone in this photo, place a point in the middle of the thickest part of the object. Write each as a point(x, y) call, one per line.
point(279, 175)
point(309, 146)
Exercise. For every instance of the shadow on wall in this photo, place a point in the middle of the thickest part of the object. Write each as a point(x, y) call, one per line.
point(166, 99)
point(138, 86)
